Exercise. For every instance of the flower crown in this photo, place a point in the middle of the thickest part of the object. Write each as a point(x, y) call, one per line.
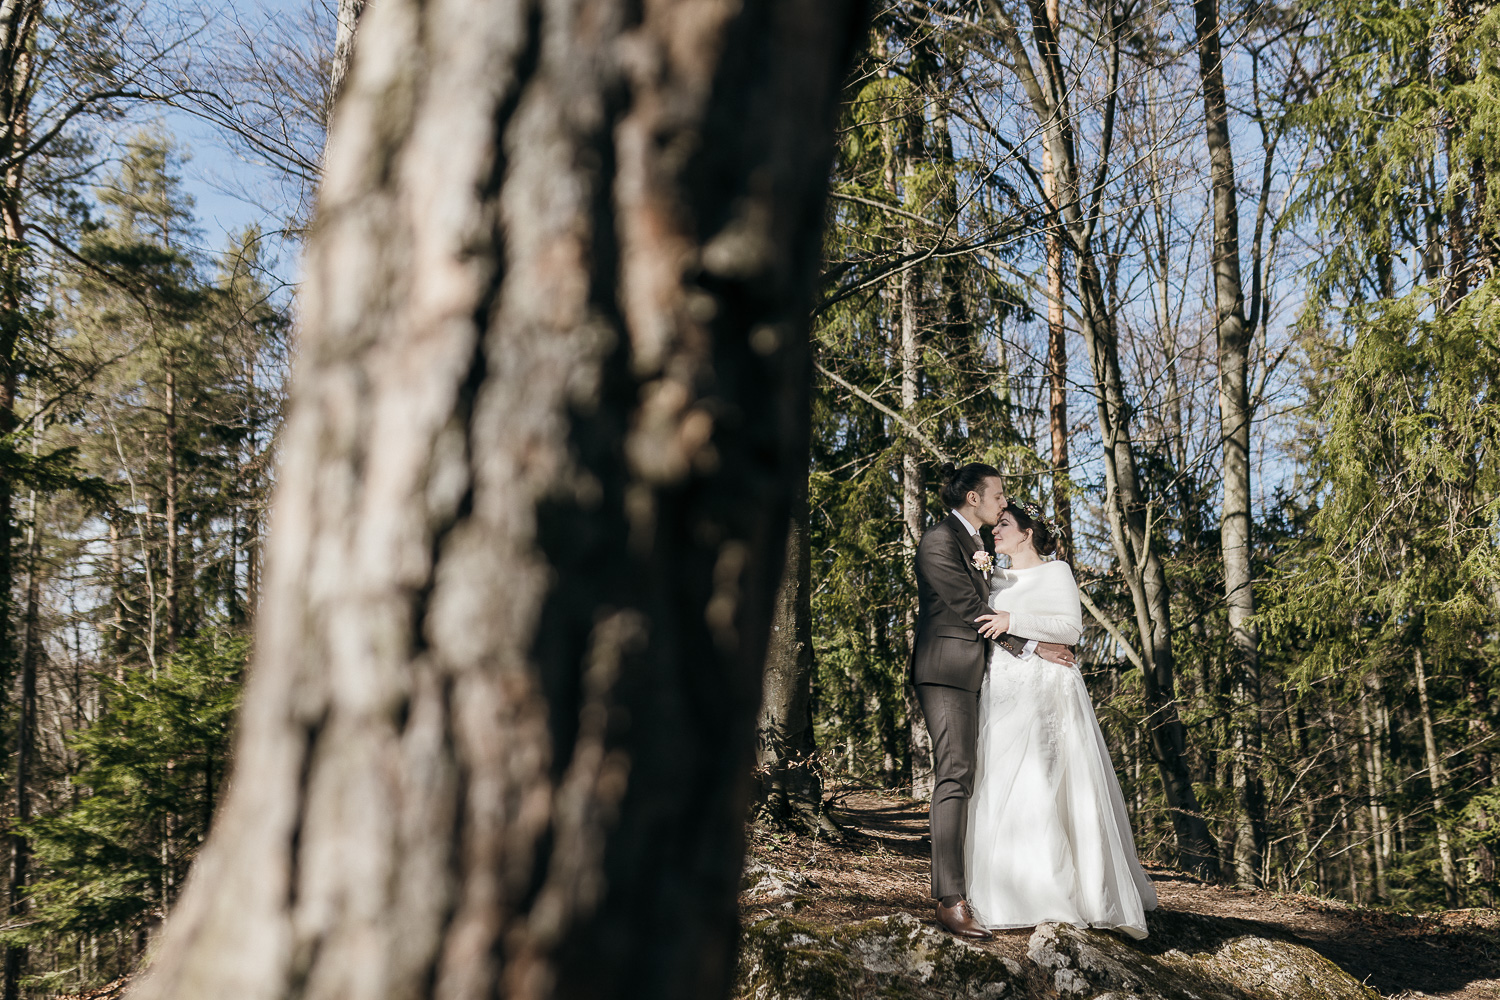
point(1032, 510)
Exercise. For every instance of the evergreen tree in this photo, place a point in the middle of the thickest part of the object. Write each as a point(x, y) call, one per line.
point(112, 863)
point(911, 343)
point(1400, 576)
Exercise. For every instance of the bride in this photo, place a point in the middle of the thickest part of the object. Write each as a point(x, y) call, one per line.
point(1048, 835)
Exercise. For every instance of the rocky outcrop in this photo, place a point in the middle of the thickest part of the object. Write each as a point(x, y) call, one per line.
point(898, 956)
point(1187, 957)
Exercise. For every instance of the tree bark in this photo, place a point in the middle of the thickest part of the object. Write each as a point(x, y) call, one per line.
point(1435, 781)
point(169, 508)
point(1235, 415)
point(1075, 211)
point(791, 785)
point(349, 14)
point(1057, 351)
point(913, 506)
point(20, 859)
point(1375, 796)
point(18, 25)
point(499, 734)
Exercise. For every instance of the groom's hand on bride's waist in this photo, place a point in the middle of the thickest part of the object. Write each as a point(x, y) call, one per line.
point(1056, 652)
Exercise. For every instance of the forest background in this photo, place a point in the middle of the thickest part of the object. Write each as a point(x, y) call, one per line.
point(1215, 285)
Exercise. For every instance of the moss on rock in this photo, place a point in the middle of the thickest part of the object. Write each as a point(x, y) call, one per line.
point(1212, 960)
point(902, 958)
point(896, 957)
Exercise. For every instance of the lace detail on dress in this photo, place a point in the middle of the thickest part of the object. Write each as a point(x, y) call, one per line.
point(1033, 682)
point(1048, 834)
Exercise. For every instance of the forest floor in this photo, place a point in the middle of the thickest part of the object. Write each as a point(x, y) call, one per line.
point(881, 868)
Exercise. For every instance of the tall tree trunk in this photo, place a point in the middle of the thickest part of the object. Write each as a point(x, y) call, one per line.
point(913, 482)
point(913, 506)
point(121, 603)
point(253, 540)
point(169, 503)
point(234, 607)
point(1435, 780)
point(1140, 562)
point(791, 786)
point(18, 24)
point(1057, 353)
point(1375, 796)
point(500, 731)
point(1076, 212)
point(1234, 431)
point(18, 21)
point(349, 14)
point(20, 859)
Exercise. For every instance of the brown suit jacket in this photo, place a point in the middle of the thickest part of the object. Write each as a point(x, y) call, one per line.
point(951, 595)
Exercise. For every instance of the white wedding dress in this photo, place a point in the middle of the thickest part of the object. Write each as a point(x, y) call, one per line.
point(1048, 837)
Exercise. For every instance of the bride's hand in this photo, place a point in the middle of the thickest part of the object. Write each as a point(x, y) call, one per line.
point(994, 624)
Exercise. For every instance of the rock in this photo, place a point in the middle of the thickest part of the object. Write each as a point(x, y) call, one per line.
point(1187, 957)
point(762, 883)
point(896, 956)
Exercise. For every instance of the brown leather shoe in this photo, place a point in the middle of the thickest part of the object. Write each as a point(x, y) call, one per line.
point(959, 919)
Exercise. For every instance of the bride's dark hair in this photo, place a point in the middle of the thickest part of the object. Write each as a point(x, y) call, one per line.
point(1029, 518)
point(957, 481)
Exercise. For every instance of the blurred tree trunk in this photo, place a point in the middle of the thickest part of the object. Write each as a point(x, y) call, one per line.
point(1235, 414)
point(536, 476)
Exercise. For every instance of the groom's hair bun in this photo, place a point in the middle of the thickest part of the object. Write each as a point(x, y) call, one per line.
point(959, 480)
point(1029, 518)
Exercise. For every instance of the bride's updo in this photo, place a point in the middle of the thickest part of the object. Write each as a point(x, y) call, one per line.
point(1029, 518)
point(957, 481)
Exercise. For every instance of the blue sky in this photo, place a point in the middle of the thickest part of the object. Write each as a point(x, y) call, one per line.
point(230, 192)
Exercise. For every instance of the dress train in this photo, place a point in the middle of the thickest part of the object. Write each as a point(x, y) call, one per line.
point(1049, 837)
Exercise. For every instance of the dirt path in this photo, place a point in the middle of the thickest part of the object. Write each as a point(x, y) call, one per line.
point(883, 869)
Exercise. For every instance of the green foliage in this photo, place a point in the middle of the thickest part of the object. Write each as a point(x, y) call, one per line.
point(154, 400)
point(897, 185)
point(152, 766)
point(1398, 555)
point(1409, 478)
point(1404, 124)
point(185, 398)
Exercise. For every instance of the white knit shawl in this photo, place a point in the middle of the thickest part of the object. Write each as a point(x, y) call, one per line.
point(1042, 601)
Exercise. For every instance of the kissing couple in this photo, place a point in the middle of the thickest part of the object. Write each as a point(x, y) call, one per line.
point(1028, 821)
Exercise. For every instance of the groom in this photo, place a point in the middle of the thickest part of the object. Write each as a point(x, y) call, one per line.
point(948, 663)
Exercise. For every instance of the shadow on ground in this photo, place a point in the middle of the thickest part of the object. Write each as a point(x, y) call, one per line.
point(881, 869)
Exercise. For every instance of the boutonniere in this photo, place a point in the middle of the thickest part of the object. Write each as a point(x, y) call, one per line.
point(983, 561)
